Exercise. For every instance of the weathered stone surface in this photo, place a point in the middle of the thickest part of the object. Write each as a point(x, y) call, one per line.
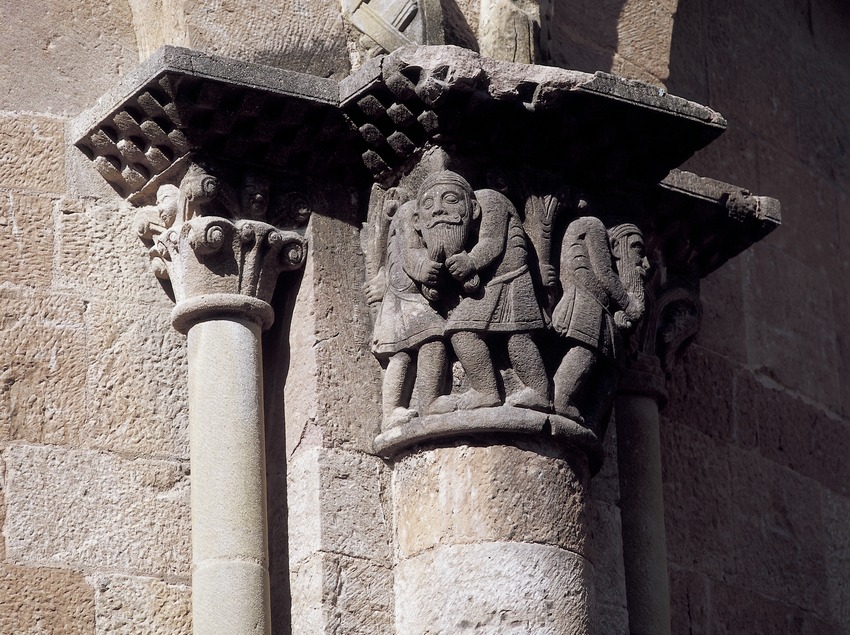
point(98, 254)
point(32, 152)
point(644, 34)
point(698, 508)
point(469, 494)
point(321, 407)
point(337, 501)
point(339, 595)
point(790, 323)
point(836, 510)
point(723, 312)
point(63, 54)
point(689, 603)
point(702, 393)
point(45, 601)
point(606, 553)
point(26, 239)
point(114, 513)
point(135, 383)
point(141, 606)
point(778, 533)
point(42, 367)
point(494, 588)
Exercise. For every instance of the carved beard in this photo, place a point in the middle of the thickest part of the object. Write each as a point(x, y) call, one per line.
point(632, 277)
point(444, 240)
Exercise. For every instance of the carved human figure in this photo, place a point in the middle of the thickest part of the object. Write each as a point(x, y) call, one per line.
point(505, 304)
point(602, 274)
point(407, 324)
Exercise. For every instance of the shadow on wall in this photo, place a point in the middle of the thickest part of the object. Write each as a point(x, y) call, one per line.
point(584, 34)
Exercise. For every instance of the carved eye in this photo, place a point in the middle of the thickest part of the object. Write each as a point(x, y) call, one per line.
point(451, 197)
point(428, 202)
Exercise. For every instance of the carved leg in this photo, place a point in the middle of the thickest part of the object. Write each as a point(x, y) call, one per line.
point(474, 355)
point(572, 379)
point(528, 364)
point(430, 373)
point(397, 387)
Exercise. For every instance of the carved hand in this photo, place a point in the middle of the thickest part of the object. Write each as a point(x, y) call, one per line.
point(375, 288)
point(548, 275)
point(621, 321)
point(460, 266)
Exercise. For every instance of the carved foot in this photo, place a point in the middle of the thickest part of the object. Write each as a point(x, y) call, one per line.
point(571, 412)
point(442, 405)
point(528, 398)
point(399, 416)
point(472, 399)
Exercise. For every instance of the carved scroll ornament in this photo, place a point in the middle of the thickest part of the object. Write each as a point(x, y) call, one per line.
point(213, 243)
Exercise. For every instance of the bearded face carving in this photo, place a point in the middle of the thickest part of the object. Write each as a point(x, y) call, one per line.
point(445, 208)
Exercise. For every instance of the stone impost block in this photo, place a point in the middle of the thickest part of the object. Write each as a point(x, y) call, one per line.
point(494, 587)
point(69, 508)
point(141, 606)
point(469, 494)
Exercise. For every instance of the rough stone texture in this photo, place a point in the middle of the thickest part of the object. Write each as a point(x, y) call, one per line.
point(141, 606)
point(60, 55)
point(32, 152)
point(605, 552)
point(26, 235)
point(324, 485)
point(494, 588)
point(341, 595)
point(45, 601)
point(467, 494)
point(43, 362)
point(322, 408)
point(116, 513)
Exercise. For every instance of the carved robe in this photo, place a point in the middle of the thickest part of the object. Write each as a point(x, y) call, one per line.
point(405, 318)
point(593, 291)
point(507, 301)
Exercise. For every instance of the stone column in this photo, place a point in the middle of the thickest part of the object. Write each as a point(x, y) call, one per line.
point(641, 498)
point(492, 537)
point(223, 273)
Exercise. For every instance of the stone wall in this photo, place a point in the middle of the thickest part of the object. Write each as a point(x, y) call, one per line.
point(94, 482)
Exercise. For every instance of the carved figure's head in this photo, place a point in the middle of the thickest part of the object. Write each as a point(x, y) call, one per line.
point(445, 207)
point(630, 257)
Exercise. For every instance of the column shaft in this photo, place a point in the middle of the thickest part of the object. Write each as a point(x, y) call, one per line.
point(492, 539)
point(230, 581)
point(642, 513)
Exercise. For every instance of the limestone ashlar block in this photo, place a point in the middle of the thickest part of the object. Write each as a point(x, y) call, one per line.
point(791, 324)
point(333, 593)
point(468, 494)
point(141, 606)
point(337, 503)
point(75, 509)
point(26, 239)
point(32, 153)
point(45, 600)
point(64, 54)
point(42, 366)
point(137, 406)
point(97, 255)
point(494, 588)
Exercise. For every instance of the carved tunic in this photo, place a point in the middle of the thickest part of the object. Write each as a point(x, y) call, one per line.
point(507, 302)
point(405, 318)
point(592, 290)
